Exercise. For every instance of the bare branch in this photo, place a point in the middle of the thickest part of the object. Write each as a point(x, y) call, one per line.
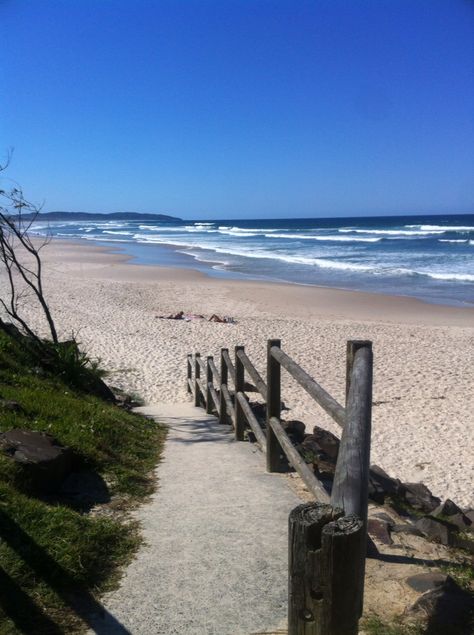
point(17, 250)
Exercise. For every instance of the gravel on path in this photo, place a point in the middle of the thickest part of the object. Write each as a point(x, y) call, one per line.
point(214, 560)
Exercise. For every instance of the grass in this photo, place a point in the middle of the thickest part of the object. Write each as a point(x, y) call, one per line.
point(54, 559)
point(375, 626)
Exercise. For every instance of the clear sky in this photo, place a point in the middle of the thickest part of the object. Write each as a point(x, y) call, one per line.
point(240, 108)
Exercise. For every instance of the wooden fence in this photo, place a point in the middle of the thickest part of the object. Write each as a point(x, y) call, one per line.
point(328, 538)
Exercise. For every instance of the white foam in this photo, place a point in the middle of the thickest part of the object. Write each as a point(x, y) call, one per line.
point(325, 238)
point(159, 228)
point(463, 277)
point(111, 231)
point(256, 230)
point(395, 232)
point(452, 240)
point(444, 228)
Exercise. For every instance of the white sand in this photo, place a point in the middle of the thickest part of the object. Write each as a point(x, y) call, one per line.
point(424, 378)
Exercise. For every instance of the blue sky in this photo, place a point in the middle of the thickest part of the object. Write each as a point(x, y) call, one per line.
point(262, 108)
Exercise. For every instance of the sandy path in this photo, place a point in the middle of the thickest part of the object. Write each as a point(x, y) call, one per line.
point(215, 558)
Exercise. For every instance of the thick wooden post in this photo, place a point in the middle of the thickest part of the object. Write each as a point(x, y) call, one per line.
point(322, 547)
point(352, 347)
point(274, 450)
point(197, 375)
point(189, 374)
point(351, 479)
point(224, 379)
point(239, 387)
point(209, 380)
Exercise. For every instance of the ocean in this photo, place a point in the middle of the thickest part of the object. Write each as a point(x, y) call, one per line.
point(428, 257)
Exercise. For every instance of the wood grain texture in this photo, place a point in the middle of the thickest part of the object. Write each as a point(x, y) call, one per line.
point(254, 374)
point(224, 376)
point(240, 419)
point(274, 450)
point(252, 421)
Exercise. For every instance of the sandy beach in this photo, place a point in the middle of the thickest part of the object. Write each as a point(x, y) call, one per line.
point(424, 361)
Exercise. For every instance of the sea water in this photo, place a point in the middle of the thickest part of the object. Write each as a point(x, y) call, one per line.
point(428, 257)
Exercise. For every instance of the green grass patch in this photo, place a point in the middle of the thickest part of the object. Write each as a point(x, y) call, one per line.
point(50, 554)
point(375, 626)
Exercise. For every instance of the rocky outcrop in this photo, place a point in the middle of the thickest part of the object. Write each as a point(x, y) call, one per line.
point(44, 463)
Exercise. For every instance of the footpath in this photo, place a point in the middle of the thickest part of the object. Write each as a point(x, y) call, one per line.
point(214, 560)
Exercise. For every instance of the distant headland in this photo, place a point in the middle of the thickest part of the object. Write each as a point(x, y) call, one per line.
point(85, 216)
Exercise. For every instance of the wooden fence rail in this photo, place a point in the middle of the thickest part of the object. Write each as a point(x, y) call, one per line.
point(328, 538)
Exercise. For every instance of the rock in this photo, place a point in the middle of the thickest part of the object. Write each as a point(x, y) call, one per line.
point(9, 406)
point(427, 581)
point(469, 513)
point(385, 517)
point(448, 508)
point(447, 608)
point(463, 543)
point(461, 521)
point(376, 492)
point(295, 430)
point(259, 409)
point(437, 529)
point(44, 462)
point(390, 486)
point(453, 514)
point(321, 449)
point(251, 438)
point(420, 497)
point(327, 441)
point(411, 530)
point(380, 530)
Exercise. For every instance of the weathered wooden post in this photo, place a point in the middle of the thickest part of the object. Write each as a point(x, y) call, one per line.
point(209, 379)
point(273, 407)
point(189, 375)
point(224, 379)
point(351, 479)
point(322, 579)
point(351, 349)
point(197, 375)
point(328, 543)
point(350, 487)
point(239, 387)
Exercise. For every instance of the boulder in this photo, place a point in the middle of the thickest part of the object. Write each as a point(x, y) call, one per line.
point(405, 528)
point(437, 530)
point(379, 529)
point(448, 508)
point(420, 497)
point(469, 514)
point(461, 542)
point(376, 492)
point(445, 607)
point(295, 430)
point(43, 461)
point(390, 486)
point(321, 449)
point(453, 514)
point(430, 581)
point(327, 441)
